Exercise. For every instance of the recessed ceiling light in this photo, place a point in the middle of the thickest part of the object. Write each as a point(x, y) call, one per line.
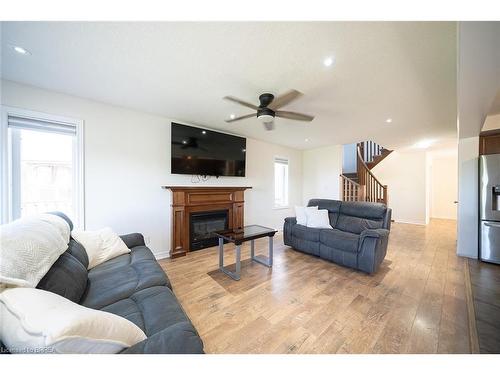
point(306, 140)
point(21, 50)
point(425, 143)
point(232, 116)
point(203, 132)
point(328, 61)
point(389, 120)
point(184, 142)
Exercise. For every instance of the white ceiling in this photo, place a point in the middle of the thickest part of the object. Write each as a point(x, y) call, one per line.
point(402, 70)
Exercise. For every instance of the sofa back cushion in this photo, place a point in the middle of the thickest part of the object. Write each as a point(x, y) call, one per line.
point(331, 205)
point(76, 249)
point(355, 217)
point(67, 277)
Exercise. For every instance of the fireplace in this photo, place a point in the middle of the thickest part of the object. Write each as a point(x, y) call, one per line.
point(203, 224)
point(191, 200)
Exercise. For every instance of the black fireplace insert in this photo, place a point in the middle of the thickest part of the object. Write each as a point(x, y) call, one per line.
point(203, 224)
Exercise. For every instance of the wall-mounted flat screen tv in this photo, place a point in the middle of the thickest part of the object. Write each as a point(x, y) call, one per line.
point(197, 151)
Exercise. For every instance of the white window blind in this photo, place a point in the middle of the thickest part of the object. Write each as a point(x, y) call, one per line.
point(16, 122)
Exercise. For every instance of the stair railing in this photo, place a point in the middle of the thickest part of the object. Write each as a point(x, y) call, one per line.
point(374, 190)
point(351, 190)
point(369, 150)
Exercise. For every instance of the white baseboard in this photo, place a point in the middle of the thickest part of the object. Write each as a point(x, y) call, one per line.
point(444, 218)
point(162, 254)
point(410, 222)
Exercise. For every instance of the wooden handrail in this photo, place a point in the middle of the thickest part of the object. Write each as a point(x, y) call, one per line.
point(374, 190)
point(370, 150)
point(364, 166)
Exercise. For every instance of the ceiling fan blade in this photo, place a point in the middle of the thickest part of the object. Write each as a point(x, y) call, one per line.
point(269, 125)
point(241, 117)
point(294, 116)
point(242, 102)
point(284, 99)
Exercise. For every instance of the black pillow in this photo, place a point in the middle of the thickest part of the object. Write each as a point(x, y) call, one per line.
point(67, 277)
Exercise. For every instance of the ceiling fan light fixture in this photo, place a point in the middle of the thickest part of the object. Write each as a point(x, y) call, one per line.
point(266, 118)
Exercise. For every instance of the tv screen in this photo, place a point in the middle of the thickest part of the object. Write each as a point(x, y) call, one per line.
point(205, 152)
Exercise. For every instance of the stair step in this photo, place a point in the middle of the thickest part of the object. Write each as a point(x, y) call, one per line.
point(352, 176)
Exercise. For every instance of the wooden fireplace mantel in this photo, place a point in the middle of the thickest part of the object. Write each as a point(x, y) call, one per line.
point(188, 199)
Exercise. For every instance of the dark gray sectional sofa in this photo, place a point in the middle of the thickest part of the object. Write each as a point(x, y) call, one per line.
point(358, 239)
point(133, 286)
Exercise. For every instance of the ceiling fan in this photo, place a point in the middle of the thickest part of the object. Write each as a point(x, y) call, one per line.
point(268, 108)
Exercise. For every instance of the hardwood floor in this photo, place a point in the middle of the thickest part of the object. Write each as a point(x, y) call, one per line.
point(485, 282)
point(414, 304)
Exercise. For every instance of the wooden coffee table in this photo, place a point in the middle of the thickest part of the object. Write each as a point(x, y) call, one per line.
point(248, 233)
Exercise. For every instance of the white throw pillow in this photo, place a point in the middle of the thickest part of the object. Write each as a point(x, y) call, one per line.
point(38, 321)
point(318, 219)
point(29, 247)
point(100, 245)
point(301, 213)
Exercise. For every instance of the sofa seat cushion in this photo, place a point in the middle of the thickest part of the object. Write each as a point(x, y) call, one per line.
point(304, 233)
point(118, 279)
point(152, 309)
point(338, 239)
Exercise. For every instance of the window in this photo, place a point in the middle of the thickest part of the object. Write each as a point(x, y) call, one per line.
point(42, 165)
point(280, 182)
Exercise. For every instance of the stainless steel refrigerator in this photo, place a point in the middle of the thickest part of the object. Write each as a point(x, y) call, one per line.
point(489, 208)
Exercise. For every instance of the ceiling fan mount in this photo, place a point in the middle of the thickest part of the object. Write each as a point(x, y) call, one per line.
point(265, 99)
point(268, 108)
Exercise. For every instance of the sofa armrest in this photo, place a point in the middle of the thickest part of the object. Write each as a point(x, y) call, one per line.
point(179, 338)
point(133, 240)
point(372, 249)
point(287, 230)
point(374, 233)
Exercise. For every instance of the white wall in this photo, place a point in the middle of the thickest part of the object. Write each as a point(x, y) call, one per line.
point(321, 173)
point(406, 175)
point(127, 160)
point(443, 184)
point(492, 122)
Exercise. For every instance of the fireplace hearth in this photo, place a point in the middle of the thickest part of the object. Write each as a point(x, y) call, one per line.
point(203, 224)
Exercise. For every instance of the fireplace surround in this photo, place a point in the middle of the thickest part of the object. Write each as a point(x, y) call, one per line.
point(187, 200)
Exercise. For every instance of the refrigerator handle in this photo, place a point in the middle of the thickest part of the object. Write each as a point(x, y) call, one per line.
point(492, 225)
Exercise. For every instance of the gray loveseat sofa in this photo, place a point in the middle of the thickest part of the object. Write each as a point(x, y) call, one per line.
point(133, 286)
point(358, 239)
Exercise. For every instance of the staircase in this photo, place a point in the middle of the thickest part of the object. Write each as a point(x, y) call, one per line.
point(363, 185)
